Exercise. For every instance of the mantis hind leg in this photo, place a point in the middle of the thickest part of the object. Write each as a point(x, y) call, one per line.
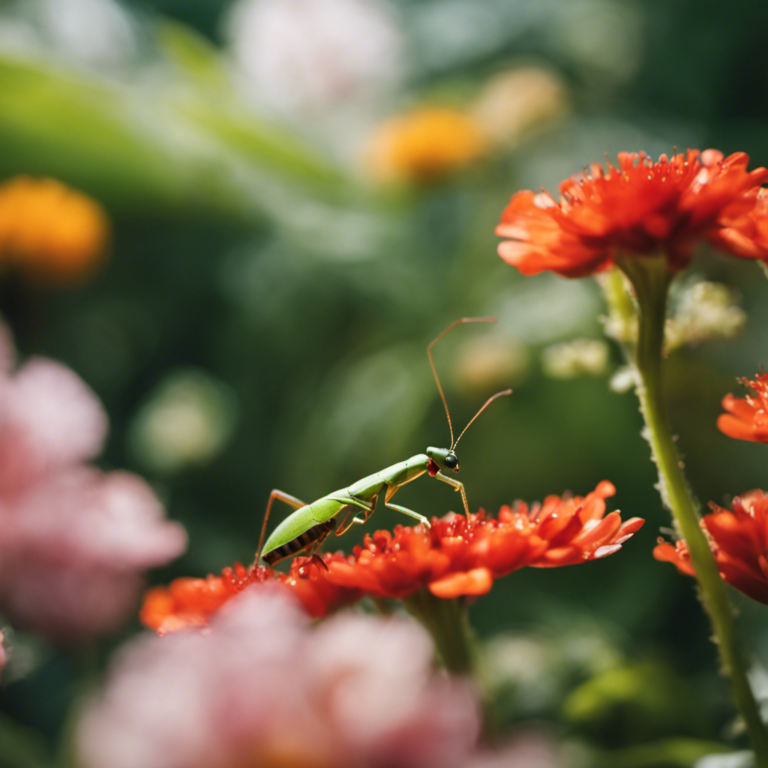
point(314, 557)
point(285, 497)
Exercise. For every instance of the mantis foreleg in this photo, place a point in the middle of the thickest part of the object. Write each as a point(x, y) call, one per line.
point(344, 526)
point(389, 492)
point(353, 501)
point(458, 486)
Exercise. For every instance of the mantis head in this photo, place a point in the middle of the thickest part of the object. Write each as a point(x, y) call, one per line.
point(442, 458)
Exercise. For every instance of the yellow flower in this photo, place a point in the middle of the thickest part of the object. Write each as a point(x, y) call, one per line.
point(425, 145)
point(49, 230)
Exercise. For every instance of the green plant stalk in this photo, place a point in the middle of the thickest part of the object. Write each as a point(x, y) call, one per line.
point(448, 624)
point(650, 278)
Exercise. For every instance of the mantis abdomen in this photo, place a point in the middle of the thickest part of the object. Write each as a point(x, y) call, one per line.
point(314, 536)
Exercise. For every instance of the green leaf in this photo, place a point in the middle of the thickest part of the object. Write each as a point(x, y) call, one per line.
point(20, 747)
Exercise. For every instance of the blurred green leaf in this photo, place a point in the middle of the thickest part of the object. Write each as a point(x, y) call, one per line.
point(670, 753)
point(192, 52)
point(20, 747)
point(144, 145)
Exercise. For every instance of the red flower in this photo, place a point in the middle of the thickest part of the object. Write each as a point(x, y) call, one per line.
point(189, 602)
point(739, 542)
point(748, 417)
point(641, 207)
point(459, 556)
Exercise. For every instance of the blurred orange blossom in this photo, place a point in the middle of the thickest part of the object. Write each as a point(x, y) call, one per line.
point(50, 231)
point(425, 146)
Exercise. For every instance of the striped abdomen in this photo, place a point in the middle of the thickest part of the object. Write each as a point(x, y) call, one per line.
point(315, 535)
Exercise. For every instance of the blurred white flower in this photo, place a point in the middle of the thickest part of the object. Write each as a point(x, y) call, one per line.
point(575, 358)
point(266, 687)
point(187, 421)
point(705, 311)
point(93, 32)
point(624, 380)
point(304, 57)
point(741, 759)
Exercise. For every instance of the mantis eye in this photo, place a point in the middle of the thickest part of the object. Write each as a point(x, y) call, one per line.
point(451, 461)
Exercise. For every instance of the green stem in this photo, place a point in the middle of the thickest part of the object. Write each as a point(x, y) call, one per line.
point(447, 622)
point(651, 279)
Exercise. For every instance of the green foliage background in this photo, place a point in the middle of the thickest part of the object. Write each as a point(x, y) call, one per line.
point(250, 253)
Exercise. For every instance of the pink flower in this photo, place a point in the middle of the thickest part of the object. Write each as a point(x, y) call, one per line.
point(526, 750)
point(49, 420)
point(264, 686)
point(3, 652)
point(74, 541)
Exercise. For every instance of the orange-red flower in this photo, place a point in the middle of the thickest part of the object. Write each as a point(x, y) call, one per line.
point(189, 602)
point(739, 541)
point(637, 208)
point(459, 556)
point(747, 418)
point(745, 233)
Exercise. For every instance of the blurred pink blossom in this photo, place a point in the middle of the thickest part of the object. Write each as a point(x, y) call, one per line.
point(74, 541)
point(526, 750)
point(265, 687)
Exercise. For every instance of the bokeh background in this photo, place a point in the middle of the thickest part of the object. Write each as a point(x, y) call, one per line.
point(282, 253)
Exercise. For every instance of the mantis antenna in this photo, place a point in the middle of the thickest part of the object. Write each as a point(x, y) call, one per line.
point(485, 405)
point(437, 379)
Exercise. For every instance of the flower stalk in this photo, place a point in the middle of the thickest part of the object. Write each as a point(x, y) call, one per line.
point(650, 278)
point(448, 624)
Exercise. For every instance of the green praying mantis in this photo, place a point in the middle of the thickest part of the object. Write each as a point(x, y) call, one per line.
point(308, 527)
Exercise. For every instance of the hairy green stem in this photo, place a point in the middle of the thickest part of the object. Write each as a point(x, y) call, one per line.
point(447, 622)
point(650, 278)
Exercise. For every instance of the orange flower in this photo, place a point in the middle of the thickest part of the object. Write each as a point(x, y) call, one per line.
point(189, 602)
point(748, 417)
point(746, 233)
point(425, 145)
point(49, 229)
point(739, 542)
point(640, 207)
point(459, 556)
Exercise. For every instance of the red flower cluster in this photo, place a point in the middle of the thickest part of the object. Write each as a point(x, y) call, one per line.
point(747, 418)
point(189, 602)
point(739, 542)
point(640, 207)
point(459, 556)
point(456, 556)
